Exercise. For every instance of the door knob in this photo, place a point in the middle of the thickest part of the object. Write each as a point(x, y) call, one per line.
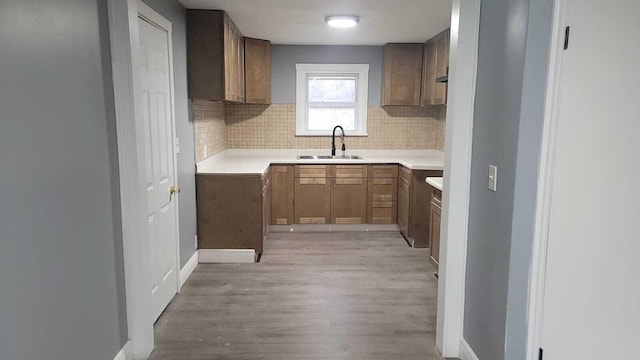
point(173, 190)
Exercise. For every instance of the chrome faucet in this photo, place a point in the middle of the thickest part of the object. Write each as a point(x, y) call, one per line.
point(333, 141)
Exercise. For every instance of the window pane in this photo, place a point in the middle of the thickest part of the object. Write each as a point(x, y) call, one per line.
point(332, 88)
point(324, 118)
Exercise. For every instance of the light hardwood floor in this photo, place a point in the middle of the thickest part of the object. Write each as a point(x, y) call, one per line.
point(313, 296)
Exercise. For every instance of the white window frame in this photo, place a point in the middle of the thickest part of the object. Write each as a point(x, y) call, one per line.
point(361, 71)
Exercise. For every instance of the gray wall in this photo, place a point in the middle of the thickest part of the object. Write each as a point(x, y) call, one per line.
point(285, 57)
point(529, 143)
point(173, 11)
point(502, 40)
point(60, 248)
point(512, 68)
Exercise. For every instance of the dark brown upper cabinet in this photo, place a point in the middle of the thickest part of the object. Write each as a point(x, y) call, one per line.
point(215, 57)
point(257, 68)
point(401, 74)
point(434, 67)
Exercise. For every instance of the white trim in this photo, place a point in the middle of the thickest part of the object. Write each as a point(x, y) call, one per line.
point(466, 352)
point(535, 302)
point(123, 34)
point(126, 353)
point(188, 268)
point(226, 256)
point(362, 96)
point(150, 15)
point(465, 25)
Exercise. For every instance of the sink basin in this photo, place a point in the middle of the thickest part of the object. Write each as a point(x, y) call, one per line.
point(329, 157)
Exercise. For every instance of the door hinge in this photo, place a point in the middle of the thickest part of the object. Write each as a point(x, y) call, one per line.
point(540, 354)
point(567, 30)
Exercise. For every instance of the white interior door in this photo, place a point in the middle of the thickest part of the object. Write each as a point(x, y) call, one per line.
point(592, 284)
point(159, 161)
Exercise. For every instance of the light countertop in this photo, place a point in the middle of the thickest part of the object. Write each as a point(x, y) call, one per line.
point(257, 161)
point(436, 182)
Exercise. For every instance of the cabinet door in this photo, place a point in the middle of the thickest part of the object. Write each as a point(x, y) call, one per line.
point(282, 181)
point(206, 39)
point(442, 67)
point(404, 203)
point(312, 194)
point(348, 194)
point(233, 62)
point(257, 71)
point(427, 96)
point(434, 234)
point(266, 208)
point(401, 74)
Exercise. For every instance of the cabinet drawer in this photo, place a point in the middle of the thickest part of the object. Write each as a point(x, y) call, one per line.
point(349, 171)
point(382, 212)
point(312, 171)
point(382, 190)
point(383, 171)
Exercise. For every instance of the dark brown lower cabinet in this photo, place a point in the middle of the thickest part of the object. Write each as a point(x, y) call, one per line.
point(282, 180)
point(233, 211)
point(382, 194)
point(404, 204)
point(266, 206)
point(349, 194)
point(414, 196)
point(434, 228)
point(312, 192)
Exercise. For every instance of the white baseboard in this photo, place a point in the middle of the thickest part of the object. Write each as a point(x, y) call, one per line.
point(188, 268)
point(334, 227)
point(466, 353)
point(227, 255)
point(126, 353)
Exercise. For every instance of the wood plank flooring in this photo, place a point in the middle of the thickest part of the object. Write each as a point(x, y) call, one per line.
point(348, 295)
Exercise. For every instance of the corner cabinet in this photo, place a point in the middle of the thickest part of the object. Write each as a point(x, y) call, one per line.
point(414, 195)
point(435, 66)
point(401, 74)
point(257, 68)
point(233, 211)
point(215, 57)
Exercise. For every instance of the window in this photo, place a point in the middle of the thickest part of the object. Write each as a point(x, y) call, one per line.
point(331, 94)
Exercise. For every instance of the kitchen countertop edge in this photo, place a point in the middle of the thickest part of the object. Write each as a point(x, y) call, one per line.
point(258, 161)
point(436, 182)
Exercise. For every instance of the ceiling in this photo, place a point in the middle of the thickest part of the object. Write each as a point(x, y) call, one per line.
point(302, 21)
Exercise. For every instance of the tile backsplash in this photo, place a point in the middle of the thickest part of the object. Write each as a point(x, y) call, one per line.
point(210, 128)
point(274, 127)
point(220, 126)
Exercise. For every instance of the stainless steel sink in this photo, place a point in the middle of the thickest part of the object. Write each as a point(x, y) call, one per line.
point(329, 157)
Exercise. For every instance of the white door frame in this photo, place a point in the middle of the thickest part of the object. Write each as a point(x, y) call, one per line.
point(545, 181)
point(124, 40)
point(465, 27)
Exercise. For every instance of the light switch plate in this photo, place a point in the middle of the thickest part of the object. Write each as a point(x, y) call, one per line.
point(493, 177)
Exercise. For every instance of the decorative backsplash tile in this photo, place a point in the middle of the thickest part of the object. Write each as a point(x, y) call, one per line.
point(220, 126)
point(274, 127)
point(210, 128)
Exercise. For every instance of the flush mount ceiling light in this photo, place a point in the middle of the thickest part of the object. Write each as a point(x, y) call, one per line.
point(342, 21)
